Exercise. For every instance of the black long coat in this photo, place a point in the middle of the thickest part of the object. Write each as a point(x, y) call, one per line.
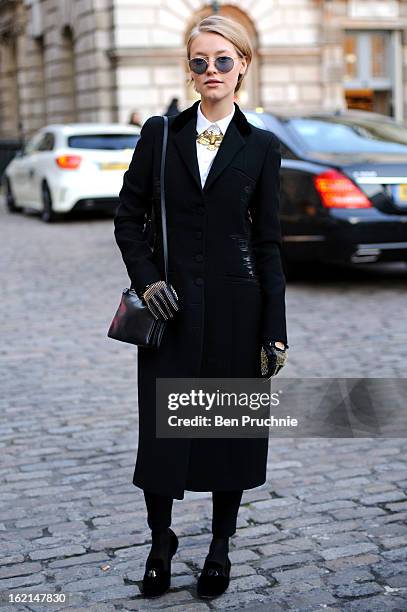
point(224, 246)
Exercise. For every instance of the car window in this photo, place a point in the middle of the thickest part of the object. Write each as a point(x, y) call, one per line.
point(33, 143)
point(47, 142)
point(256, 120)
point(344, 135)
point(262, 121)
point(286, 152)
point(103, 141)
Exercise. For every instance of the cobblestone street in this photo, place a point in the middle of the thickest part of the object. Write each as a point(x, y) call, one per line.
point(327, 531)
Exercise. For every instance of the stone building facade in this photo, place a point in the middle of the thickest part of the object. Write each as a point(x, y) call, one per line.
point(97, 60)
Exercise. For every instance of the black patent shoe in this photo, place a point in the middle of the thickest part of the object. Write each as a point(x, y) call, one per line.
point(214, 579)
point(157, 579)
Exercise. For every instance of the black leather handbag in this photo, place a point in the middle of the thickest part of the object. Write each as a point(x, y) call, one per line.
point(133, 321)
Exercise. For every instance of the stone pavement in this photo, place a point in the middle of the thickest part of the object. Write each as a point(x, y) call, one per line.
point(327, 531)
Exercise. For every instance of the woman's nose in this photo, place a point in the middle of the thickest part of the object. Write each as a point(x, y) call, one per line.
point(211, 66)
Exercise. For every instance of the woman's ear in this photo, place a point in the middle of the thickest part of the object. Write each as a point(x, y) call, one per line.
point(244, 66)
point(190, 81)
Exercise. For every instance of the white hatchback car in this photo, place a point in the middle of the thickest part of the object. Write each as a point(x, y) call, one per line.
point(70, 167)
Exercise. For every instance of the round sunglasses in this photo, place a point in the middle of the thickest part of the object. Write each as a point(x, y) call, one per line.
point(199, 65)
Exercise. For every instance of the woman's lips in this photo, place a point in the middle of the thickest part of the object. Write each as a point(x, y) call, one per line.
point(212, 83)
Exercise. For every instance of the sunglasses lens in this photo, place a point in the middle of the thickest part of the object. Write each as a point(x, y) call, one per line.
point(198, 65)
point(224, 64)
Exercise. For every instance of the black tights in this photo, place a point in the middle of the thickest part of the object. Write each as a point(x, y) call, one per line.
point(225, 507)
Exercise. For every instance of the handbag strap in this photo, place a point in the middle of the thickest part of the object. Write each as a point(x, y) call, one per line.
point(162, 197)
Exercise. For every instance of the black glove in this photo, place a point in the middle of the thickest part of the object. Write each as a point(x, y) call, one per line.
point(161, 300)
point(272, 358)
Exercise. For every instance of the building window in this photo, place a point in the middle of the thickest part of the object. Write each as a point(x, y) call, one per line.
point(368, 79)
point(351, 57)
point(378, 55)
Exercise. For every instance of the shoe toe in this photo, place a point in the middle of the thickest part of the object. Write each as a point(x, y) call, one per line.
point(214, 579)
point(157, 579)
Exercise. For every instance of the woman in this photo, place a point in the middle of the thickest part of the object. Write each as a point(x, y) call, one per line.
point(222, 200)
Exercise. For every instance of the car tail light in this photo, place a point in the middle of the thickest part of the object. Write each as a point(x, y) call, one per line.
point(338, 191)
point(69, 162)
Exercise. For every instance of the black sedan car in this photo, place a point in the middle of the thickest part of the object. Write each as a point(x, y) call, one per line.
point(343, 185)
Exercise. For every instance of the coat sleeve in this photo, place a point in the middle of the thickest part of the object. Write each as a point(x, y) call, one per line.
point(266, 241)
point(135, 200)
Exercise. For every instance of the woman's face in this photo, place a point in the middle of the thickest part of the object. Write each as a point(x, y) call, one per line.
point(209, 46)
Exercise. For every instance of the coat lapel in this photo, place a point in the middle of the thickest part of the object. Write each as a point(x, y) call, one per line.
point(184, 129)
point(232, 142)
point(185, 141)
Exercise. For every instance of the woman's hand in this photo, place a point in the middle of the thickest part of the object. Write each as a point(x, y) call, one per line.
point(273, 357)
point(161, 300)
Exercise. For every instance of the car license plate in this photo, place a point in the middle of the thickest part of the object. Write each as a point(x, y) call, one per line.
point(113, 166)
point(403, 193)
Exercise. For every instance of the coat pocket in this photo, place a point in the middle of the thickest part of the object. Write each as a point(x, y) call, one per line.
point(240, 279)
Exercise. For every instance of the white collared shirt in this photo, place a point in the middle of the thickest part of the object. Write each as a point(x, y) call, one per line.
point(205, 156)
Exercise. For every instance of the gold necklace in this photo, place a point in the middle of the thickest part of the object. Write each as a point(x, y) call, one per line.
point(209, 139)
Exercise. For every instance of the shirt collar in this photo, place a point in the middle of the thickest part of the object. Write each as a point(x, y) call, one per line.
point(202, 123)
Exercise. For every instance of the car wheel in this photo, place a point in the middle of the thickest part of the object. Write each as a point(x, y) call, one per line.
point(48, 215)
point(10, 201)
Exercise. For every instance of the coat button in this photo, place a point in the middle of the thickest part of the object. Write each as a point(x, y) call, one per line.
point(198, 235)
point(199, 257)
point(199, 281)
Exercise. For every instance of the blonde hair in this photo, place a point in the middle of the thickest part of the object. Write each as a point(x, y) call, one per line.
point(229, 29)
